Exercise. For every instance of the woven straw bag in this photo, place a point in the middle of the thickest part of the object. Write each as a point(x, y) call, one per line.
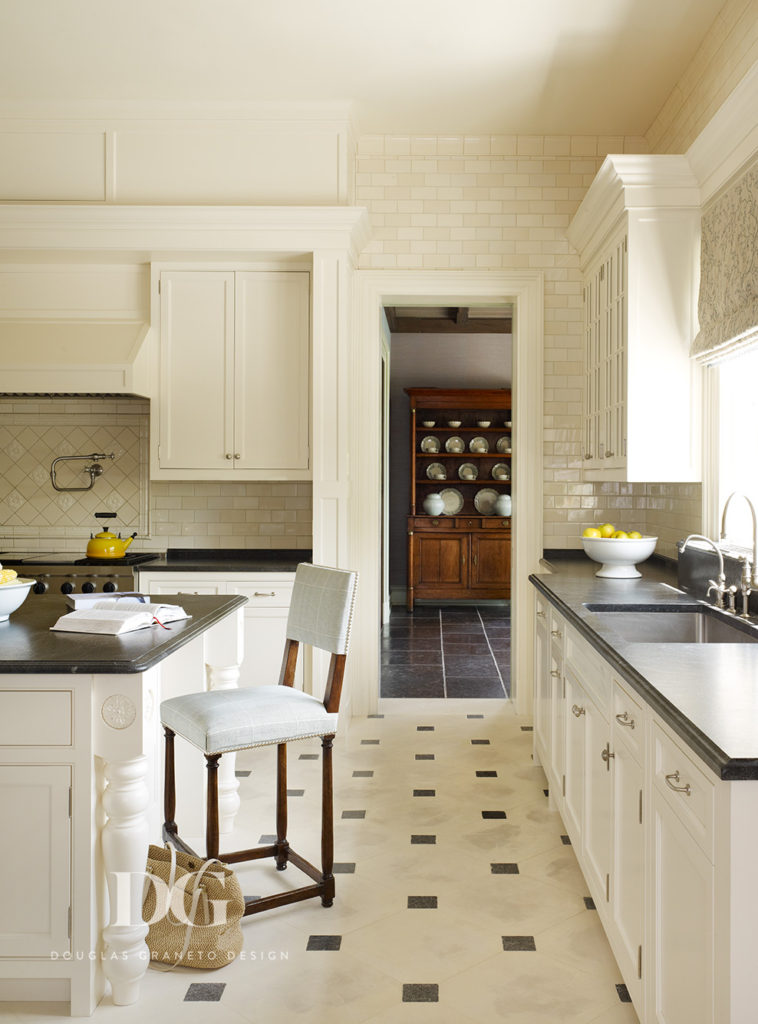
point(193, 909)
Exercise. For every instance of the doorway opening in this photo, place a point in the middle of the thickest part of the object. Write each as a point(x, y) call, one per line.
point(446, 626)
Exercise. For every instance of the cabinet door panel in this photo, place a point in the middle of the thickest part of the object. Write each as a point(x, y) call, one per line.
point(196, 367)
point(542, 689)
point(490, 561)
point(576, 714)
point(683, 913)
point(265, 633)
point(628, 875)
point(597, 801)
point(441, 560)
point(34, 919)
point(272, 370)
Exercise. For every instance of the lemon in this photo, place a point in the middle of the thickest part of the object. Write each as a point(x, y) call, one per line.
point(620, 535)
point(634, 535)
point(607, 530)
point(591, 531)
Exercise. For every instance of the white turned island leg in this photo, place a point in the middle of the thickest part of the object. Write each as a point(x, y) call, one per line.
point(226, 677)
point(125, 840)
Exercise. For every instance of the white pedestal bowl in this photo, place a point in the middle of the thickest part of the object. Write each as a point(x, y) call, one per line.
point(619, 556)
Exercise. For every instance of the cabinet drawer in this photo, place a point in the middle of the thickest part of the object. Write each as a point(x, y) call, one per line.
point(263, 594)
point(466, 523)
point(590, 668)
point(35, 718)
point(496, 524)
point(628, 720)
point(432, 523)
point(685, 787)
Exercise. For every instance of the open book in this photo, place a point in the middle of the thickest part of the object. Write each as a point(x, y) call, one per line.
point(114, 616)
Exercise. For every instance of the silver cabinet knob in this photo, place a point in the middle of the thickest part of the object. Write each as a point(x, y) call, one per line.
point(588, 455)
point(556, 632)
point(237, 455)
point(609, 455)
point(577, 712)
point(228, 455)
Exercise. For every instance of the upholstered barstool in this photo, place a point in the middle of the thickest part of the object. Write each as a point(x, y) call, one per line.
point(219, 722)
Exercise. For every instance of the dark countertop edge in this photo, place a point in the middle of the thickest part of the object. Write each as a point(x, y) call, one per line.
point(141, 663)
point(727, 769)
point(229, 560)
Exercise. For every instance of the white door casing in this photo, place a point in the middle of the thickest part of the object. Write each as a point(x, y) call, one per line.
point(373, 290)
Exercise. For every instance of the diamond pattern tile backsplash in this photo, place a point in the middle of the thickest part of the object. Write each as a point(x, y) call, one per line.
point(34, 431)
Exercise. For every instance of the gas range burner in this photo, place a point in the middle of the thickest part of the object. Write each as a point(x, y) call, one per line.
point(136, 558)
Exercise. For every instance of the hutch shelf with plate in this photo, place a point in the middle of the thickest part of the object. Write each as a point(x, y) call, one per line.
point(462, 551)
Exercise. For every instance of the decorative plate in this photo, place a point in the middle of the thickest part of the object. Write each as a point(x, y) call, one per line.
point(453, 501)
point(501, 472)
point(504, 445)
point(468, 471)
point(430, 444)
point(455, 444)
point(484, 501)
point(436, 471)
point(480, 445)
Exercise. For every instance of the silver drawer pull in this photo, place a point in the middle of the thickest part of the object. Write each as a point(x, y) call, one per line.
point(606, 753)
point(625, 720)
point(555, 673)
point(541, 615)
point(556, 632)
point(674, 777)
point(577, 711)
point(259, 593)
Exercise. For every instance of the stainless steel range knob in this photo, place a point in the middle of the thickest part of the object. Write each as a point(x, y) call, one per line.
point(88, 588)
point(109, 587)
point(67, 588)
point(39, 587)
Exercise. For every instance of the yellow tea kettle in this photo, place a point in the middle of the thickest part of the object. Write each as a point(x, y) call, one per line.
point(106, 544)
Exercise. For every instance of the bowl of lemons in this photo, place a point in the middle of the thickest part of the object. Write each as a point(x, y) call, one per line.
point(13, 592)
point(618, 551)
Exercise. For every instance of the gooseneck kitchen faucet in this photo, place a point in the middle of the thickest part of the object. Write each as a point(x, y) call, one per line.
point(745, 581)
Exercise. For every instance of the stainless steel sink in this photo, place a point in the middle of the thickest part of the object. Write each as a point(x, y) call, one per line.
point(672, 626)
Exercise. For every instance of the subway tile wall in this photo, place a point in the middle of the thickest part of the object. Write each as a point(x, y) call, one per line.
point(494, 202)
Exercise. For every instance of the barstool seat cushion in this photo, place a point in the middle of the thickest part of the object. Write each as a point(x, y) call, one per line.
point(225, 720)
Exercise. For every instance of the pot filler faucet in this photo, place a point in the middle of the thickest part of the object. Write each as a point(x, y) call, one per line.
point(745, 580)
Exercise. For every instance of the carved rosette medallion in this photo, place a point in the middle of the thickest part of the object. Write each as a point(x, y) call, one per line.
point(118, 711)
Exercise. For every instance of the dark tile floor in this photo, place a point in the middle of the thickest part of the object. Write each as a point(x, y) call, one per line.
point(446, 651)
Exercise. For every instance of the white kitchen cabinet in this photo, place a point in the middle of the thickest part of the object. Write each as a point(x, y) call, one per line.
point(233, 375)
point(573, 788)
point(598, 805)
point(35, 919)
point(637, 234)
point(265, 615)
point(542, 685)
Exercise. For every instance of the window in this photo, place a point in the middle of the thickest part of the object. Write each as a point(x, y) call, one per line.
point(736, 449)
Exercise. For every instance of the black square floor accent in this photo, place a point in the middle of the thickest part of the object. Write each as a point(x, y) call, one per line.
point(267, 838)
point(424, 757)
point(363, 775)
point(308, 757)
point(353, 814)
point(424, 728)
point(207, 992)
point(422, 902)
point(623, 994)
point(243, 775)
point(519, 943)
point(324, 942)
point(565, 840)
point(422, 840)
point(474, 716)
point(486, 775)
point(480, 743)
point(546, 792)
point(494, 814)
point(589, 903)
point(421, 993)
point(424, 792)
point(504, 869)
point(344, 868)
point(527, 728)
point(367, 743)
point(295, 792)
point(374, 716)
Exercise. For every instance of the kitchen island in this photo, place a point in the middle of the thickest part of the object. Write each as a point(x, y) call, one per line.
point(81, 785)
point(651, 754)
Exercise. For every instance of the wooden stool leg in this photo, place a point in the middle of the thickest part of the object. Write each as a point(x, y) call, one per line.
point(169, 787)
point(211, 810)
point(282, 846)
point(327, 822)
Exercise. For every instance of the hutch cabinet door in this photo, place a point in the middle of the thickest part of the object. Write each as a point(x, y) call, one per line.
point(196, 367)
point(490, 561)
point(37, 896)
point(272, 370)
point(441, 560)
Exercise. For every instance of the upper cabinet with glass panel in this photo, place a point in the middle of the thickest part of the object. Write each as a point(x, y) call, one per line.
point(637, 234)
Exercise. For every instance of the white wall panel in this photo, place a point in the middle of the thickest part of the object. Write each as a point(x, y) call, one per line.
point(65, 165)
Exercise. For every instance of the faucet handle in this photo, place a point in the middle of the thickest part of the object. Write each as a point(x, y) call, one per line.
point(732, 591)
point(720, 590)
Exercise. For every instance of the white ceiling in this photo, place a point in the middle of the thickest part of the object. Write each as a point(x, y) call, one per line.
point(457, 66)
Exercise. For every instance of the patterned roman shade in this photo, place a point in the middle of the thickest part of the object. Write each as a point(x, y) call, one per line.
point(728, 302)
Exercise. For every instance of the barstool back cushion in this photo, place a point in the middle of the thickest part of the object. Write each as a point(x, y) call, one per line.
point(321, 611)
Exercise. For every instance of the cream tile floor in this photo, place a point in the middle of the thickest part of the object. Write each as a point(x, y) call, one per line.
point(569, 977)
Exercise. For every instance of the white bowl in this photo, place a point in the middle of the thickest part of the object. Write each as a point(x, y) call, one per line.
point(428, 423)
point(619, 555)
point(12, 596)
point(453, 423)
point(483, 423)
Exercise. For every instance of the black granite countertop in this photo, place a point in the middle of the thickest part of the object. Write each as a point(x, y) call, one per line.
point(229, 560)
point(707, 693)
point(28, 646)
